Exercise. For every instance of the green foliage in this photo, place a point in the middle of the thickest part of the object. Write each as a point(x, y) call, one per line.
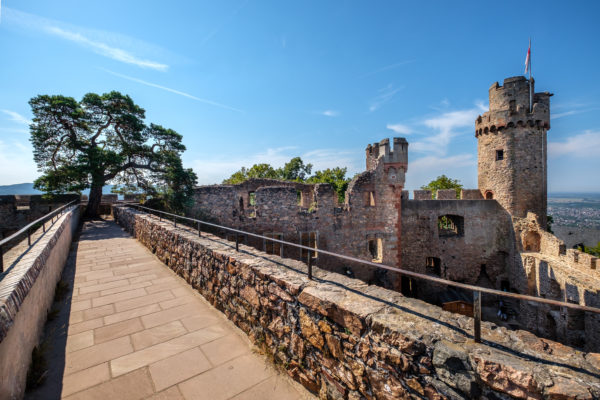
point(295, 170)
point(336, 177)
point(103, 140)
point(595, 251)
point(264, 171)
point(443, 182)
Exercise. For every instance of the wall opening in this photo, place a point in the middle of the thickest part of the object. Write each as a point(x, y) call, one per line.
point(505, 285)
point(308, 239)
point(252, 198)
point(241, 203)
point(299, 197)
point(451, 226)
point(273, 247)
point(375, 247)
point(371, 202)
point(433, 266)
point(499, 155)
point(407, 286)
point(531, 241)
point(489, 195)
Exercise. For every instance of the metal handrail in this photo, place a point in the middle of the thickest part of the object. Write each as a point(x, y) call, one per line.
point(477, 290)
point(28, 228)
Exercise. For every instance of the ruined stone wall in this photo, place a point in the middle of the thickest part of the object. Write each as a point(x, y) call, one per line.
point(16, 211)
point(479, 254)
point(557, 273)
point(345, 339)
point(517, 178)
point(298, 212)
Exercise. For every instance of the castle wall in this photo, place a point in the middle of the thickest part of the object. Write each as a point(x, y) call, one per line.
point(16, 211)
point(485, 239)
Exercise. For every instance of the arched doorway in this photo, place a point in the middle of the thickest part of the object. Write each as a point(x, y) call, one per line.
point(489, 195)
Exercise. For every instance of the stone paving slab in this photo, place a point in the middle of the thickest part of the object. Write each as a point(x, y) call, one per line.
point(137, 331)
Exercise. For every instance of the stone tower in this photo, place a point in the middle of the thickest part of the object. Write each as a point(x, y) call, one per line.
point(512, 150)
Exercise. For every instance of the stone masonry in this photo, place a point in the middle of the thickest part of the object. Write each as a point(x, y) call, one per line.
point(345, 339)
point(477, 239)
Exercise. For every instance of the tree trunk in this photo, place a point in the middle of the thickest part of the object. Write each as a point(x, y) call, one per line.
point(94, 201)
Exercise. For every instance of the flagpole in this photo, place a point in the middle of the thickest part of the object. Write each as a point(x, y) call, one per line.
point(530, 85)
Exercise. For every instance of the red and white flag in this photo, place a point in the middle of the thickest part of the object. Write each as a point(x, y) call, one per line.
point(528, 59)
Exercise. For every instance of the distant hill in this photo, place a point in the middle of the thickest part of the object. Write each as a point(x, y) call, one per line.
point(27, 188)
point(19, 188)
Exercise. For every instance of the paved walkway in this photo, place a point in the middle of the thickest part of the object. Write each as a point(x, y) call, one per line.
point(136, 330)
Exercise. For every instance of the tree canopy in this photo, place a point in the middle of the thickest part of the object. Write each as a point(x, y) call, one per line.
point(443, 182)
point(295, 170)
point(103, 139)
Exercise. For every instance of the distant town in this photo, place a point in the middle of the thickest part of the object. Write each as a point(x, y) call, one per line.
point(575, 210)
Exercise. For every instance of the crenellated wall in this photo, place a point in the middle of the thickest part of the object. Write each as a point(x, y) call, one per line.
point(344, 339)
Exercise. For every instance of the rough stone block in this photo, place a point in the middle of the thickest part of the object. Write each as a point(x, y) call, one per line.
point(422, 194)
point(446, 194)
point(471, 194)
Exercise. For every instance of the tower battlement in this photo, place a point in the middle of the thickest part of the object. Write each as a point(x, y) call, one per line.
point(509, 107)
point(398, 155)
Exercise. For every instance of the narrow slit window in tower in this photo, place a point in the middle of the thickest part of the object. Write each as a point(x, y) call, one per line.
point(499, 155)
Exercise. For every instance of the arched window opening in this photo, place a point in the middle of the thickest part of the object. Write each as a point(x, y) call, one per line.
point(489, 195)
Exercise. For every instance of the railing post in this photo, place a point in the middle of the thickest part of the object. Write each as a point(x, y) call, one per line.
point(175, 221)
point(477, 316)
point(1, 260)
point(199, 229)
point(28, 237)
point(309, 266)
point(44, 227)
point(237, 242)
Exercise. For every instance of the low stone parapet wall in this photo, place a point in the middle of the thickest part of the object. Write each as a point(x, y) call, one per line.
point(345, 339)
point(26, 295)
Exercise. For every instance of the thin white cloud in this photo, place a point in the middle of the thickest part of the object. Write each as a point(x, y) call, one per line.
point(16, 117)
point(387, 68)
point(425, 169)
point(223, 22)
point(400, 129)
point(571, 112)
point(330, 113)
point(586, 144)
point(96, 41)
point(214, 169)
point(448, 125)
point(12, 154)
point(384, 95)
point(178, 92)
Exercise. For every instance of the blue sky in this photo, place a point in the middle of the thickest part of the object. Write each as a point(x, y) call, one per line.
point(262, 81)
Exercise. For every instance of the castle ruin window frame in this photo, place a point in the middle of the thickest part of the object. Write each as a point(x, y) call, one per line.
point(252, 198)
point(499, 154)
point(271, 247)
point(375, 249)
point(450, 226)
point(309, 239)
